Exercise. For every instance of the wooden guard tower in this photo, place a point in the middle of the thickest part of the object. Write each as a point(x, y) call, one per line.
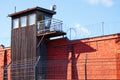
point(30, 30)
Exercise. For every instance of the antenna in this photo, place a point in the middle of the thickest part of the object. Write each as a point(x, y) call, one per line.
point(103, 28)
point(15, 9)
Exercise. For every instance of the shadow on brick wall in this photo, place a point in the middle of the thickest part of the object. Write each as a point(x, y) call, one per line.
point(62, 58)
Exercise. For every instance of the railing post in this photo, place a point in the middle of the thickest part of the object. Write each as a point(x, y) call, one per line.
point(55, 24)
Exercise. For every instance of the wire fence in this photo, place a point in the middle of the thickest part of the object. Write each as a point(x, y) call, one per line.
point(19, 70)
point(82, 69)
point(81, 31)
point(99, 29)
point(104, 28)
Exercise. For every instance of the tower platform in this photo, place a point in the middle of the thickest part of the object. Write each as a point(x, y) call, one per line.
point(50, 28)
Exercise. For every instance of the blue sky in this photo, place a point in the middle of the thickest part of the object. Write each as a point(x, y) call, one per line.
point(85, 17)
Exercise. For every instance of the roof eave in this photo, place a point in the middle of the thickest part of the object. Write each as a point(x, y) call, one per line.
point(32, 9)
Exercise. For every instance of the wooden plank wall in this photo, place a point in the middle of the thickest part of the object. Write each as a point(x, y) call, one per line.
point(23, 47)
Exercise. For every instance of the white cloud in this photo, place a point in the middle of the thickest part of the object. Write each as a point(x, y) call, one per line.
point(106, 3)
point(77, 31)
point(93, 1)
point(81, 29)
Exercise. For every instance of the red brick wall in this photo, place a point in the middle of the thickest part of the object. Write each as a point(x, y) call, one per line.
point(8, 52)
point(118, 56)
point(57, 55)
point(4, 59)
point(1, 62)
point(66, 59)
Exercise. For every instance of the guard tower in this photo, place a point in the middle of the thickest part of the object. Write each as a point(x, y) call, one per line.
point(30, 29)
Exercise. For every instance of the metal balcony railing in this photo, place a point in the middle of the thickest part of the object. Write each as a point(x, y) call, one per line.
point(49, 25)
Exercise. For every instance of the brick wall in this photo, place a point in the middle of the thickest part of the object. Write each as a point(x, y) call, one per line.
point(1, 62)
point(118, 56)
point(4, 60)
point(57, 55)
point(91, 58)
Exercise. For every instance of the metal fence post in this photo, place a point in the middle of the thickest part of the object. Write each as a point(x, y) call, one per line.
point(85, 67)
point(35, 71)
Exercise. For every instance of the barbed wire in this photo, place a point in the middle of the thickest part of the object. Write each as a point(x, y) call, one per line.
point(61, 68)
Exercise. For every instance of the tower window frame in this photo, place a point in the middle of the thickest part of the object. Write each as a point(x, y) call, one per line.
point(31, 19)
point(15, 23)
point(23, 21)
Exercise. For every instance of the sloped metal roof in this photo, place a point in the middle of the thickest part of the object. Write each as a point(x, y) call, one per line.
point(32, 9)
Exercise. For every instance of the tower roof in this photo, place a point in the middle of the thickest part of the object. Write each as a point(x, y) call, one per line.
point(32, 9)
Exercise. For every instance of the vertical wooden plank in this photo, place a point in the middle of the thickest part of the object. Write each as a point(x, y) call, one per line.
point(23, 44)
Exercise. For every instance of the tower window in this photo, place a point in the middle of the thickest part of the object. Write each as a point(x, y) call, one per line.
point(15, 23)
point(23, 21)
point(31, 19)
